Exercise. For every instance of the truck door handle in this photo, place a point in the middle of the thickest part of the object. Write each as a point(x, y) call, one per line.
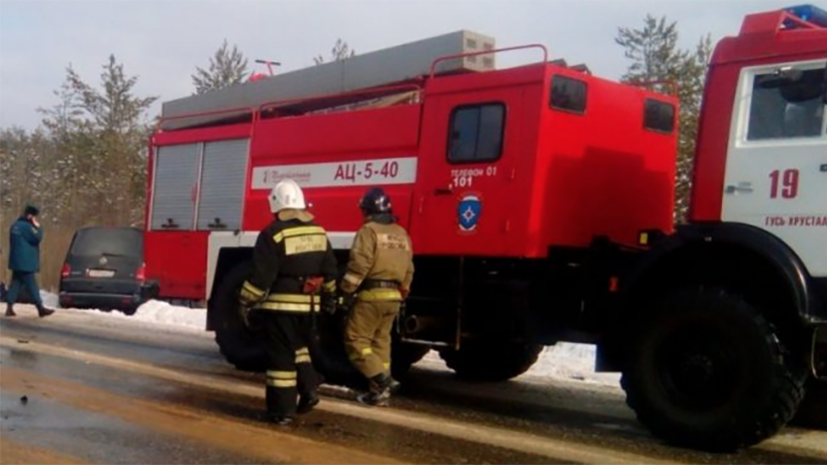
point(740, 188)
point(824, 168)
point(443, 191)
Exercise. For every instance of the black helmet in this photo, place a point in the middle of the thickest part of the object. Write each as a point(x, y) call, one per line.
point(375, 202)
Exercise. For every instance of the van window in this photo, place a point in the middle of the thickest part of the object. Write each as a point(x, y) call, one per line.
point(659, 116)
point(95, 242)
point(476, 133)
point(784, 110)
point(568, 94)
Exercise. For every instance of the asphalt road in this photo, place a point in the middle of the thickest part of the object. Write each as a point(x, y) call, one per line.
point(77, 389)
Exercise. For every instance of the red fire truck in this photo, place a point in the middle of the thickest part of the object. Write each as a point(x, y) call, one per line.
point(540, 203)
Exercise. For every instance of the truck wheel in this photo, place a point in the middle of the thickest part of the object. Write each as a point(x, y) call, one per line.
point(491, 361)
point(708, 371)
point(238, 345)
point(327, 350)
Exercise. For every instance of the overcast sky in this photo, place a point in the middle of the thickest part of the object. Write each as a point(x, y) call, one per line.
point(163, 41)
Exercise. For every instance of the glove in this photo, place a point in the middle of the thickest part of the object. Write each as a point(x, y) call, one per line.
point(244, 313)
point(328, 303)
point(345, 302)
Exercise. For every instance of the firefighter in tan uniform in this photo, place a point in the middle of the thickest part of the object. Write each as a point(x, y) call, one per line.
point(294, 274)
point(378, 279)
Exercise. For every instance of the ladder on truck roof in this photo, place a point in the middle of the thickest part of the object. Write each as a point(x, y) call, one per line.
point(383, 68)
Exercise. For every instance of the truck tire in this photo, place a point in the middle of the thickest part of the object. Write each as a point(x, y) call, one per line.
point(239, 346)
point(327, 349)
point(330, 358)
point(491, 361)
point(708, 371)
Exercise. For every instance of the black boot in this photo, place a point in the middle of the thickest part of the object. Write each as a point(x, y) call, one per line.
point(380, 391)
point(307, 402)
point(279, 420)
point(43, 311)
point(10, 310)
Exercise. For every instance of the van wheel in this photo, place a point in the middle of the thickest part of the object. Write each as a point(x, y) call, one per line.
point(491, 361)
point(239, 346)
point(708, 371)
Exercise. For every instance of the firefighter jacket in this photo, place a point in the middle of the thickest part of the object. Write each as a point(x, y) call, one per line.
point(24, 246)
point(381, 261)
point(292, 262)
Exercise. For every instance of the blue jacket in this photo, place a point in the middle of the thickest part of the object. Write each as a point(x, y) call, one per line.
point(24, 246)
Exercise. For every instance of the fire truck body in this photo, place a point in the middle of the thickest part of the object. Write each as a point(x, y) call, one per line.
point(540, 204)
point(538, 157)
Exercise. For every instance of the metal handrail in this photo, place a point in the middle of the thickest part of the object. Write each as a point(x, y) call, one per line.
point(354, 93)
point(487, 52)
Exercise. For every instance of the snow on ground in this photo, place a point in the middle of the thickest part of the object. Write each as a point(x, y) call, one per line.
point(566, 361)
point(154, 311)
point(49, 300)
point(573, 362)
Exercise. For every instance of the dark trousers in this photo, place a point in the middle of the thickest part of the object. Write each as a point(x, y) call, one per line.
point(27, 280)
point(290, 371)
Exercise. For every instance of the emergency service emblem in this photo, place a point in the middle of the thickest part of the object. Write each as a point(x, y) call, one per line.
point(468, 212)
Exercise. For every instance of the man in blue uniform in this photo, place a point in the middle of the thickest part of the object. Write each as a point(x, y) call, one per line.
point(24, 260)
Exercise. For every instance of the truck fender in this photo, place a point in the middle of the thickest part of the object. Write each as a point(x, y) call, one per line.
point(772, 250)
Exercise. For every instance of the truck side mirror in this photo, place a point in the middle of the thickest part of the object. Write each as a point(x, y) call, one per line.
point(781, 77)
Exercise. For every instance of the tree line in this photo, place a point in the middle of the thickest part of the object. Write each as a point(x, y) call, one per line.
point(85, 164)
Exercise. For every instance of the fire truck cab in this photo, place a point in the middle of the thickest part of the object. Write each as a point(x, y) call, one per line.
point(540, 204)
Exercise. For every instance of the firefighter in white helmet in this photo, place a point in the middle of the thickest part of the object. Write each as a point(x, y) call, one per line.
point(294, 272)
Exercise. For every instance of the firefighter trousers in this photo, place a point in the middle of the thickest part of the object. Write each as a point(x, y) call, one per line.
point(368, 335)
point(290, 370)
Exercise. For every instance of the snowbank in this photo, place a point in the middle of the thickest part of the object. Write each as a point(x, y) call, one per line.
point(163, 313)
point(572, 361)
point(154, 311)
point(49, 299)
point(565, 361)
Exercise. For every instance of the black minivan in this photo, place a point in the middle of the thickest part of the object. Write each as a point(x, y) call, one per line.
point(105, 269)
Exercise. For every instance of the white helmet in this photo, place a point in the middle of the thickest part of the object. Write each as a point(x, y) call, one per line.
point(286, 194)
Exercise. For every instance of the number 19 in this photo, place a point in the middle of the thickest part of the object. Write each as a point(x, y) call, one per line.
point(788, 181)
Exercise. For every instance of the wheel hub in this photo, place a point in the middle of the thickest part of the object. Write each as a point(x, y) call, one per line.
point(698, 372)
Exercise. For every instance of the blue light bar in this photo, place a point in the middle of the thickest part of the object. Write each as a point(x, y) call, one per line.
point(810, 13)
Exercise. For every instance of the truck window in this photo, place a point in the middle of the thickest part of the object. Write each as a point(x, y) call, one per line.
point(790, 109)
point(659, 116)
point(568, 94)
point(476, 133)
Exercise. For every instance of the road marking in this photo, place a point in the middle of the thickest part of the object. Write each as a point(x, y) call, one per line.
point(490, 436)
point(260, 442)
